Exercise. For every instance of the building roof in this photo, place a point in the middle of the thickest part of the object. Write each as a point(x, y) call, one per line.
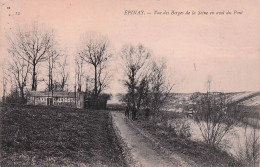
point(49, 94)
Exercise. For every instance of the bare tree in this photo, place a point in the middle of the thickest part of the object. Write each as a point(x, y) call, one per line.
point(19, 69)
point(96, 52)
point(4, 81)
point(79, 70)
point(134, 60)
point(252, 148)
point(57, 70)
point(63, 73)
point(143, 92)
point(249, 151)
point(215, 115)
point(161, 87)
point(52, 59)
point(32, 46)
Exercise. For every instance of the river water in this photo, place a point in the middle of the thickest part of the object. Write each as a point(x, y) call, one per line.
point(233, 142)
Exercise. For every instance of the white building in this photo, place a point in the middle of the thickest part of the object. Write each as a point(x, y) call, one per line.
point(69, 99)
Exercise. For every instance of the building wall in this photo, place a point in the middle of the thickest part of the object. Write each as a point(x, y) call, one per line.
point(36, 100)
point(57, 101)
point(80, 101)
point(64, 101)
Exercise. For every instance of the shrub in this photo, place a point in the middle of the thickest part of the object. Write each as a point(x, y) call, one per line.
point(215, 116)
point(14, 97)
point(180, 128)
point(249, 151)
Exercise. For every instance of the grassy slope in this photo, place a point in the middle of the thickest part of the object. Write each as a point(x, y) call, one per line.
point(58, 136)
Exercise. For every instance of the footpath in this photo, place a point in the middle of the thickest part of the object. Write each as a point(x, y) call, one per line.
point(139, 147)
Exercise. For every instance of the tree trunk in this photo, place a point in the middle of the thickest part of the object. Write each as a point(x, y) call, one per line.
point(62, 84)
point(22, 94)
point(34, 80)
point(95, 86)
point(133, 88)
point(79, 87)
point(49, 86)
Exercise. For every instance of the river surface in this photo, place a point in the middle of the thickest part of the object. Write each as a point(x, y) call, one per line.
point(234, 141)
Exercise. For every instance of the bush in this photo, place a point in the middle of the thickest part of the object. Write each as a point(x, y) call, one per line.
point(180, 128)
point(171, 123)
point(215, 116)
point(249, 151)
point(14, 97)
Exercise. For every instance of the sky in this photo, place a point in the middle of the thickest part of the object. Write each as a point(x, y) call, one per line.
point(224, 48)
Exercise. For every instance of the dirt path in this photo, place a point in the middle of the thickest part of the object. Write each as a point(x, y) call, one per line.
point(140, 148)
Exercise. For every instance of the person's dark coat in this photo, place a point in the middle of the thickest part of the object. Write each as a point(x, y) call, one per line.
point(147, 113)
point(127, 112)
point(134, 113)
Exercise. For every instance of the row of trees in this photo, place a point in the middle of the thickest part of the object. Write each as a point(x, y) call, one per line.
point(92, 65)
point(36, 57)
point(34, 50)
point(145, 79)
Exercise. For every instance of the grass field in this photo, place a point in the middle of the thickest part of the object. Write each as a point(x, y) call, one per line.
point(45, 136)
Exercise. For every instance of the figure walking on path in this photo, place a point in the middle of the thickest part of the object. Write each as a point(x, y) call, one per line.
point(147, 113)
point(127, 111)
point(134, 113)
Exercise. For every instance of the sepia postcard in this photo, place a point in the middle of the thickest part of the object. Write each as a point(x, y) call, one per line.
point(130, 83)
